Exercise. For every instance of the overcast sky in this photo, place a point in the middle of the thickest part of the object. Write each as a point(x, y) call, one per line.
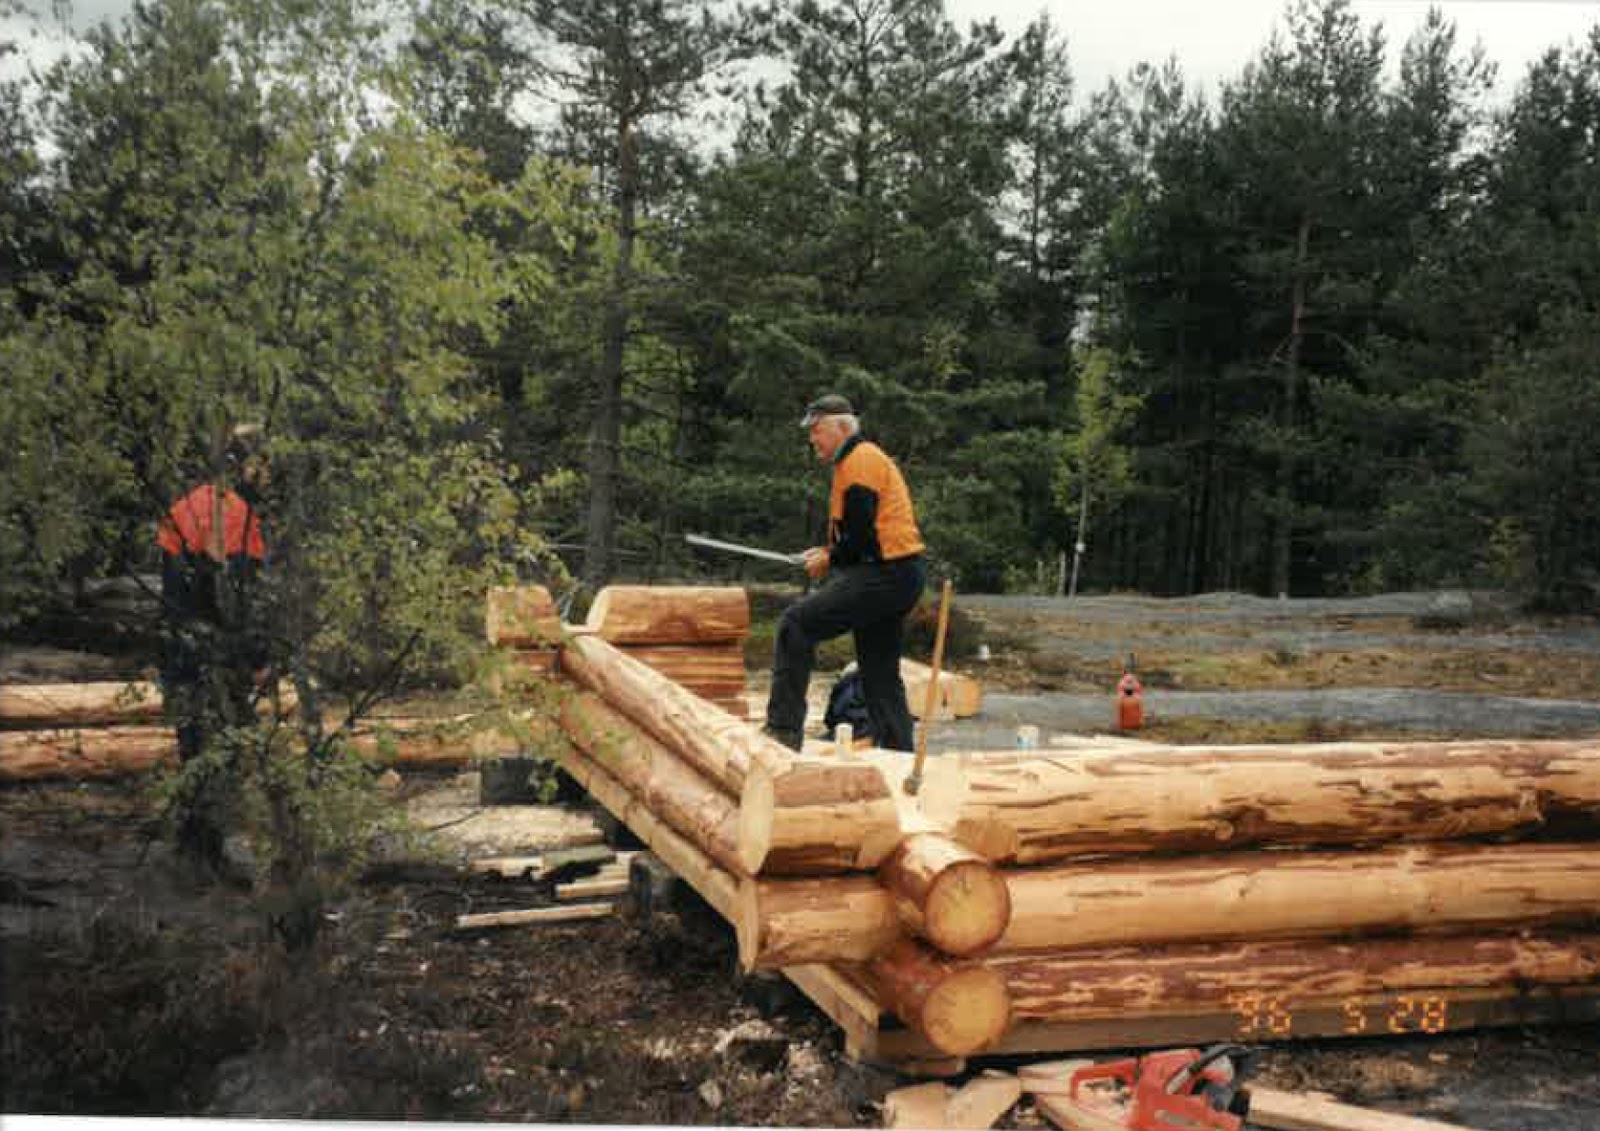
point(1213, 40)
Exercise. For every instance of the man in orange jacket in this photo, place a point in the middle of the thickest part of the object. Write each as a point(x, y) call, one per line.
point(212, 553)
point(873, 563)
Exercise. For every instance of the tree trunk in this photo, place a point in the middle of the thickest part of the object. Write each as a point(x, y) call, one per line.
point(960, 1008)
point(800, 922)
point(1051, 806)
point(1283, 526)
point(605, 435)
point(1264, 895)
point(1221, 976)
point(712, 671)
point(642, 614)
point(521, 616)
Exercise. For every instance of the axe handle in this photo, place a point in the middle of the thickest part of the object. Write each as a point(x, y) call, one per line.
point(931, 702)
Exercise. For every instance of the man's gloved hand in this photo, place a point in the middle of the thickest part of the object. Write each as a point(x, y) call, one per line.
point(816, 561)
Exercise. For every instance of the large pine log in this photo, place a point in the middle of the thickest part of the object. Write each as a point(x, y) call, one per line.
point(805, 921)
point(715, 885)
point(104, 752)
point(85, 753)
point(79, 704)
point(947, 894)
point(795, 815)
point(521, 616)
point(1260, 895)
point(815, 816)
point(674, 792)
point(930, 888)
point(640, 614)
point(1052, 806)
point(718, 745)
point(711, 671)
point(1265, 979)
point(961, 1008)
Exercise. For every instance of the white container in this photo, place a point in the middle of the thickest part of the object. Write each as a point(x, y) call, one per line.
point(1027, 738)
point(844, 736)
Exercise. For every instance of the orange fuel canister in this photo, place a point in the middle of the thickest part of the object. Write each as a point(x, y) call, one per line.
point(1130, 703)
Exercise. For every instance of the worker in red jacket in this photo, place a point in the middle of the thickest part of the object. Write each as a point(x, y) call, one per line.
point(875, 575)
point(212, 554)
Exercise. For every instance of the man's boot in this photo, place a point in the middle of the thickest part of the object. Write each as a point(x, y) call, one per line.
point(793, 739)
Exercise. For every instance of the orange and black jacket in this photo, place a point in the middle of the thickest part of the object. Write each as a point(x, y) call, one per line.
point(870, 518)
point(202, 594)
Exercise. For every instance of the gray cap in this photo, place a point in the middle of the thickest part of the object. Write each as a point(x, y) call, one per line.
point(831, 404)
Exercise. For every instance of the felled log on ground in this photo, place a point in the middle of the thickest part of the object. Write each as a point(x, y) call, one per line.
point(1037, 808)
point(673, 791)
point(106, 752)
point(1222, 976)
point(806, 815)
point(960, 1007)
point(957, 697)
point(1260, 895)
point(642, 614)
point(79, 704)
point(85, 753)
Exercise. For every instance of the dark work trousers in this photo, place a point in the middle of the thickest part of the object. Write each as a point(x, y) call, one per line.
point(871, 601)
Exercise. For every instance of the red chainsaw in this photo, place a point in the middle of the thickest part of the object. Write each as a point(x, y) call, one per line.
point(1180, 1089)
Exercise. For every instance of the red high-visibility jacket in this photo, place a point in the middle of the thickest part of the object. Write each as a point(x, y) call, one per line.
point(187, 527)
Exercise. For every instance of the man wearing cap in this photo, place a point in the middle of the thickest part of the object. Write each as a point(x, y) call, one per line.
point(873, 563)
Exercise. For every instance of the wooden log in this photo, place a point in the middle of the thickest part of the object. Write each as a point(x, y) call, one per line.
point(57, 706)
point(708, 670)
point(533, 915)
point(812, 921)
point(1060, 804)
point(1294, 1111)
point(715, 885)
point(718, 745)
point(1263, 895)
point(672, 790)
point(795, 815)
point(1263, 982)
point(960, 1008)
point(816, 816)
point(79, 704)
point(982, 1101)
point(643, 614)
point(86, 753)
point(947, 894)
point(521, 616)
point(958, 696)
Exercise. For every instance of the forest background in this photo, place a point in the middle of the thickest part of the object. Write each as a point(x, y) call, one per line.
point(1332, 329)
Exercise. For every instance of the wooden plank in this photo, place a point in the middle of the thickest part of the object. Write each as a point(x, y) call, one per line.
point(1292, 1111)
point(507, 867)
point(533, 915)
point(593, 888)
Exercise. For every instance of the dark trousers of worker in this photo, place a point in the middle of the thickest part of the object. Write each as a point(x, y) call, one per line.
point(871, 601)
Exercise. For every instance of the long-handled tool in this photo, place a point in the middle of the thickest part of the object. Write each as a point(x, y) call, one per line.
point(748, 551)
point(931, 703)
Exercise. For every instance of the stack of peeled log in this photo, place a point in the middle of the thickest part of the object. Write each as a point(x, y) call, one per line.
point(111, 729)
point(807, 857)
point(693, 635)
point(1024, 897)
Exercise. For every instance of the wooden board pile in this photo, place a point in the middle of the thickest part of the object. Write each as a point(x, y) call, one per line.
point(1067, 899)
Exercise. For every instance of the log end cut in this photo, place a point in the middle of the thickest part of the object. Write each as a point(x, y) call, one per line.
point(967, 1012)
point(968, 908)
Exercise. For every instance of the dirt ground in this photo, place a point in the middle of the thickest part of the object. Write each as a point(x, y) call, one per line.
point(131, 988)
